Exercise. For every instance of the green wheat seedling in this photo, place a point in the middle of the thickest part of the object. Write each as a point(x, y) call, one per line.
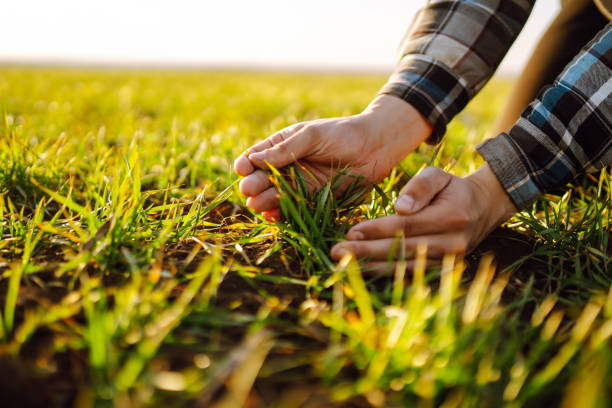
point(315, 219)
point(447, 346)
point(573, 237)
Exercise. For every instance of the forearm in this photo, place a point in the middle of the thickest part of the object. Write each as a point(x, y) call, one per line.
point(450, 51)
point(565, 132)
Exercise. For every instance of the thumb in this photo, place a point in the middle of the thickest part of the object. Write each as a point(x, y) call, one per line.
point(421, 190)
point(293, 148)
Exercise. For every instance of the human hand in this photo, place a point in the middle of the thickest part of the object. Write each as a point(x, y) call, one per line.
point(369, 144)
point(449, 214)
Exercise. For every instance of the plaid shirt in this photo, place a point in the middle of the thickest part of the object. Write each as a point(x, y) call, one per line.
point(450, 52)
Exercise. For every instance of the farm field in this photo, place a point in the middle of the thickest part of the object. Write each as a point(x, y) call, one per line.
point(133, 275)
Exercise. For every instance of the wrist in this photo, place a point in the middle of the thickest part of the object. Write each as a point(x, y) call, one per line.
point(395, 122)
point(490, 192)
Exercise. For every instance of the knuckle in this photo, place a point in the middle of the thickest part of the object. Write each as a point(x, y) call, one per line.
point(432, 172)
point(434, 176)
point(285, 133)
point(421, 186)
point(277, 137)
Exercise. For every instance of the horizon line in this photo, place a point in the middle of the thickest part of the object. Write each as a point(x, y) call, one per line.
point(152, 65)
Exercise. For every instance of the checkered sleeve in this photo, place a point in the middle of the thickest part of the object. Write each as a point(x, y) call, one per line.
point(566, 131)
point(450, 51)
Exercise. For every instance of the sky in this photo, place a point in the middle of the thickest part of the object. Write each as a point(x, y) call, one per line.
point(350, 35)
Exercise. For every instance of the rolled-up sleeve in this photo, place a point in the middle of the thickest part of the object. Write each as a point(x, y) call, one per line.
point(450, 51)
point(566, 131)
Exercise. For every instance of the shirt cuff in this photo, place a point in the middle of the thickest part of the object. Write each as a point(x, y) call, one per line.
point(501, 153)
point(431, 88)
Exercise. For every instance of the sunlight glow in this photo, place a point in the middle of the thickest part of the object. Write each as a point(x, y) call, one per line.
point(348, 35)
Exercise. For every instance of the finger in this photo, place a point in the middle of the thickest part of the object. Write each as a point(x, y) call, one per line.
point(264, 201)
point(275, 138)
point(287, 151)
point(388, 268)
point(383, 249)
point(431, 220)
point(379, 228)
point(261, 145)
point(272, 215)
point(243, 166)
point(421, 190)
point(384, 227)
point(254, 183)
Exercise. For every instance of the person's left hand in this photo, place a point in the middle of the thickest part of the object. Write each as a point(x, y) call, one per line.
point(449, 214)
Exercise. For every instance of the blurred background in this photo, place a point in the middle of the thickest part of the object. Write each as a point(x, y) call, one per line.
point(340, 35)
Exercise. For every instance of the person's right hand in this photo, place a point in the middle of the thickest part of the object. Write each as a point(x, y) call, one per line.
point(370, 144)
point(451, 215)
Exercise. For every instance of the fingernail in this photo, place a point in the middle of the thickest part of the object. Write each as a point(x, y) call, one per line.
point(404, 203)
point(356, 235)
